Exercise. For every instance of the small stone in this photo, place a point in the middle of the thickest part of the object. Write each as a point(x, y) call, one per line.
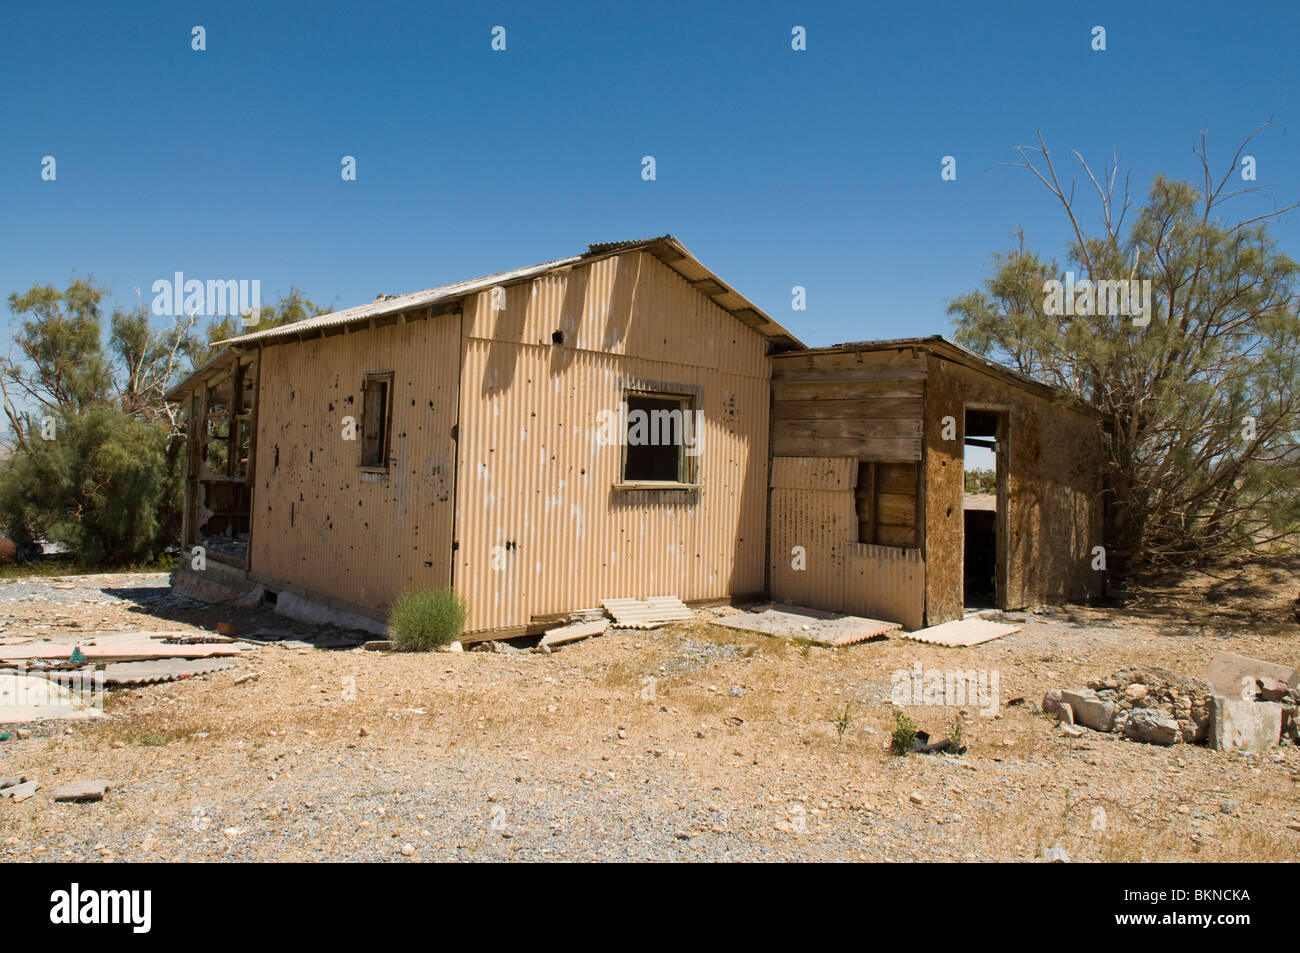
point(408, 850)
point(1056, 855)
point(82, 791)
point(916, 798)
point(1074, 731)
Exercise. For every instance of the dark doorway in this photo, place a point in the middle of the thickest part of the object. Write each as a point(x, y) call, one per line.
point(984, 509)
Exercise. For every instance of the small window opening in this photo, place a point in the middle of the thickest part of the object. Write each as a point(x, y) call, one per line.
point(659, 431)
point(374, 422)
point(886, 499)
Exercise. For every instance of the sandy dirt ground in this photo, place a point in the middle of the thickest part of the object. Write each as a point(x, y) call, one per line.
point(692, 742)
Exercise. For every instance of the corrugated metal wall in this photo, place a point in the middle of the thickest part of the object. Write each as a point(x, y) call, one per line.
point(813, 508)
point(319, 522)
point(540, 527)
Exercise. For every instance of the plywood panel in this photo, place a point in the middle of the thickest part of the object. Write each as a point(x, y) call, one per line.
point(1054, 488)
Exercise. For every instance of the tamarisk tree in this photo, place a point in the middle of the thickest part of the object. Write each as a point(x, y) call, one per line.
point(1181, 325)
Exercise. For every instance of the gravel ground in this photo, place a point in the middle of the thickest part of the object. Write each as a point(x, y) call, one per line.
point(692, 742)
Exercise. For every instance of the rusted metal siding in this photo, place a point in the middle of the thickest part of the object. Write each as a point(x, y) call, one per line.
point(815, 558)
point(322, 524)
point(541, 528)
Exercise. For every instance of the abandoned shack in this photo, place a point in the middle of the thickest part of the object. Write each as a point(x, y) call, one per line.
point(487, 418)
point(617, 424)
point(868, 444)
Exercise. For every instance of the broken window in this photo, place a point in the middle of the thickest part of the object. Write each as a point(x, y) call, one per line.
point(886, 497)
point(660, 438)
point(374, 421)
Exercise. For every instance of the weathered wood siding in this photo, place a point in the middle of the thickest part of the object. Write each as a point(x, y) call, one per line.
point(853, 407)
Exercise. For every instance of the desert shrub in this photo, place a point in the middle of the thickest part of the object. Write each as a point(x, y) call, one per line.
point(423, 619)
point(106, 487)
point(904, 734)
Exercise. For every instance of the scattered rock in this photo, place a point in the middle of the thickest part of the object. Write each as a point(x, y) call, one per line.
point(379, 645)
point(82, 791)
point(1055, 855)
point(1074, 731)
point(21, 792)
point(1237, 676)
point(1151, 726)
point(1244, 725)
point(1089, 710)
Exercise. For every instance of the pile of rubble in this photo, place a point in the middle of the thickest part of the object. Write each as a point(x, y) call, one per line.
point(1242, 704)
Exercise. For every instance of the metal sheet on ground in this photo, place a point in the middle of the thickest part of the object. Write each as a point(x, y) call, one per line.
point(647, 613)
point(572, 633)
point(962, 633)
point(812, 625)
point(161, 670)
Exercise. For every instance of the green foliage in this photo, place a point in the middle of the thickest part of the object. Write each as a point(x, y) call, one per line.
point(423, 619)
point(904, 733)
point(1202, 405)
point(295, 306)
point(843, 722)
point(106, 487)
point(981, 481)
point(956, 734)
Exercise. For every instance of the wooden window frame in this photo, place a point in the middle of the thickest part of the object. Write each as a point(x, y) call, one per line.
point(687, 464)
point(386, 442)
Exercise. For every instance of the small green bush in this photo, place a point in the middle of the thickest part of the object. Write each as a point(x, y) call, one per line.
point(423, 619)
point(904, 734)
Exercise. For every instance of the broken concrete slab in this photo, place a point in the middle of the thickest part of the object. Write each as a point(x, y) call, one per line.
point(1151, 726)
point(809, 625)
point(1240, 725)
point(21, 792)
point(962, 633)
point(573, 633)
point(647, 613)
point(82, 791)
point(12, 782)
point(1237, 676)
point(1089, 710)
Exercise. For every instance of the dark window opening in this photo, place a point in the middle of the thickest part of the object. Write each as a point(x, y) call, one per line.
point(886, 498)
point(658, 432)
point(374, 422)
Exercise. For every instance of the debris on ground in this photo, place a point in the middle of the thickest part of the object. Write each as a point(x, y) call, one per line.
point(1162, 707)
point(574, 632)
point(963, 632)
point(809, 625)
point(647, 613)
point(82, 791)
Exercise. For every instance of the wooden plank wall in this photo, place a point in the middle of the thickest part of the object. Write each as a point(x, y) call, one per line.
point(868, 405)
point(858, 406)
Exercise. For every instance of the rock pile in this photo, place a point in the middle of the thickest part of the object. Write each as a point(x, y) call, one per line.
point(1158, 706)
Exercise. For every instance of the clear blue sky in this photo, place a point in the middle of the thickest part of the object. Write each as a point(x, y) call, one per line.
point(777, 168)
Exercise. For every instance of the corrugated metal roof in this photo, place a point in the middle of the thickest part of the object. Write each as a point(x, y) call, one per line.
point(666, 248)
